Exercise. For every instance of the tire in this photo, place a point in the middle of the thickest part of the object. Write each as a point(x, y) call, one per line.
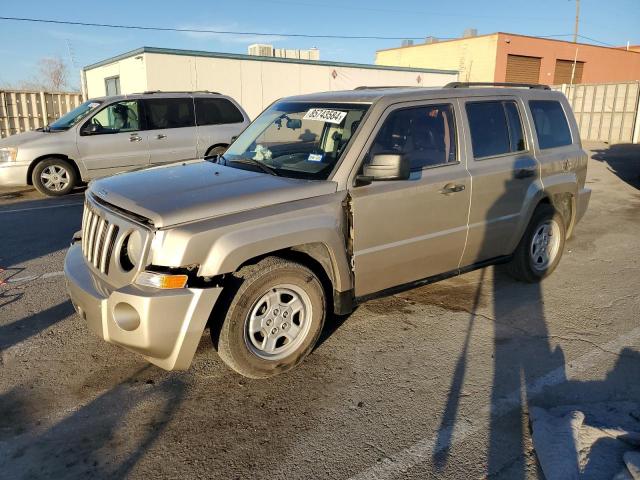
point(531, 263)
point(62, 177)
point(219, 150)
point(257, 337)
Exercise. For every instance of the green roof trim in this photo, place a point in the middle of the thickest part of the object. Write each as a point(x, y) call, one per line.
point(238, 56)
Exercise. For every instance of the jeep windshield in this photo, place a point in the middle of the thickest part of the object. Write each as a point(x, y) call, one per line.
point(296, 139)
point(69, 119)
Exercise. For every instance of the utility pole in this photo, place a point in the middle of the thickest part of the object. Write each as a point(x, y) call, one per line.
point(575, 29)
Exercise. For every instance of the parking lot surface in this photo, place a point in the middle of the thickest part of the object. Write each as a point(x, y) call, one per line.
point(430, 383)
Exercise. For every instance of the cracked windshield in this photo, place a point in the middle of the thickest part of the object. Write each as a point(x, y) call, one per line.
point(297, 139)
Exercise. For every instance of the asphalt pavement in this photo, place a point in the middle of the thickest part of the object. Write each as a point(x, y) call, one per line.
point(431, 383)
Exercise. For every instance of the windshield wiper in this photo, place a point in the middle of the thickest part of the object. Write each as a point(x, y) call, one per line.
point(251, 161)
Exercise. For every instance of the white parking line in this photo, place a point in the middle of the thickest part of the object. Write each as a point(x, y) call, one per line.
point(41, 208)
point(424, 449)
point(32, 277)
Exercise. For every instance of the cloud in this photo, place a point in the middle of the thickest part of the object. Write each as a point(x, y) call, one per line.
point(230, 37)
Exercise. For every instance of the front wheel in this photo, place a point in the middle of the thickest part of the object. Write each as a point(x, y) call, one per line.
point(54, 177)
point(541, 246)
point(275, 311)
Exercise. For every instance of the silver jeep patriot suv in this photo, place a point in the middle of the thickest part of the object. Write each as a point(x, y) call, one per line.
point(326, 200)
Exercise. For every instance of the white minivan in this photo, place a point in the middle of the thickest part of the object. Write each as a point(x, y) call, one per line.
point(108, 135)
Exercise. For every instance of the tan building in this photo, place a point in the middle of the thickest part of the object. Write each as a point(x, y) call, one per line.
point(507, 57)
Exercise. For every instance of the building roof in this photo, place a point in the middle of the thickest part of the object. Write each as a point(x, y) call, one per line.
point(237, 56)
point(502, 33)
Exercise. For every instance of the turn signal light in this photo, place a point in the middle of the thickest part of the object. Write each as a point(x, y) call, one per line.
point(161, 280)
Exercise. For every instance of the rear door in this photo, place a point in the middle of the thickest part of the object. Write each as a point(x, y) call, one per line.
point(171, 129)
point(407, 230)
point(218, 120)
point(112, 140)
point(503, 168)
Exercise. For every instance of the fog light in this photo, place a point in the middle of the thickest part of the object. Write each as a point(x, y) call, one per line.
point(126, 316)
point(161, 280)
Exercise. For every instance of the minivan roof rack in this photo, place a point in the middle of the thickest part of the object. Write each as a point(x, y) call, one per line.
point(534, 86)
point(150, 92)
point(366, 87)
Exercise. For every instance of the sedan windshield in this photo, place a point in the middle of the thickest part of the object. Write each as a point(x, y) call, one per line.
point(68, 120)
point(297, 139)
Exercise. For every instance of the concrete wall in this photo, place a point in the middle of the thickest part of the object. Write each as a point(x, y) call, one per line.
point(132, 73)
point(602, 64)
point(474, 58)
point(255, 84)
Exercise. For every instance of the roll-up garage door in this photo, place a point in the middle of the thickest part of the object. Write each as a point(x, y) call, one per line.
point(521, 69)
point(563, 72)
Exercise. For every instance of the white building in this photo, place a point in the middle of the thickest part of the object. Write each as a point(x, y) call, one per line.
point(266, 50)
point(255, 82)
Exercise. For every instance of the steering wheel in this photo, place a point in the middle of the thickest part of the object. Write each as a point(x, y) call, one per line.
point(96, 122)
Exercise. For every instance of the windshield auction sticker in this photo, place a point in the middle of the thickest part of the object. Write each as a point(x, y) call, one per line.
point(325, 115)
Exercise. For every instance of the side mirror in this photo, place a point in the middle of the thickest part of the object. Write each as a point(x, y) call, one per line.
point(90, 129)
point(387, 166)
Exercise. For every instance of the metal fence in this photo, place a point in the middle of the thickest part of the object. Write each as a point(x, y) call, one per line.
point(607, 112)
point(24, 110)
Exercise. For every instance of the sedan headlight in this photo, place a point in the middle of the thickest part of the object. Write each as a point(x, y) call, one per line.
point(8, 154)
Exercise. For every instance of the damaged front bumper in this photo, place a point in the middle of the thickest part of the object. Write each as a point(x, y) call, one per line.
point(164, 326)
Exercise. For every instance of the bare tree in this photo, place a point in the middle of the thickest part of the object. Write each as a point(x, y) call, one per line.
point(53, 73)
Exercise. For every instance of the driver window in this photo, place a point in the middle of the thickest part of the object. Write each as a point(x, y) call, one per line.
point(117, 117)
point(425, 135)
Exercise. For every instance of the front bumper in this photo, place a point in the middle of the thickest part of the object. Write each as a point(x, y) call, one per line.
point(582, 202)
point(13, 175)
point(164, 326)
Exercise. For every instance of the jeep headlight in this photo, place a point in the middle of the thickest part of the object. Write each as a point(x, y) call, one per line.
point(131, 251)
point(8, 154)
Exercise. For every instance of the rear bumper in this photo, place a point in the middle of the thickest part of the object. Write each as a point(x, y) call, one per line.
point(164, 326)
point(12, 175)
point(582, 202)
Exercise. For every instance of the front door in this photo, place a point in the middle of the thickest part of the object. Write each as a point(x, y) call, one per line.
point(503, 169)
point(407, 230)
point(112, 140)
point(171, 129)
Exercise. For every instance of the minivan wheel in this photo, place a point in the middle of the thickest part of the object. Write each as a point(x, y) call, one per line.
point(275, 311)
point(219, 150)
point(54, 177)
point(541, 246)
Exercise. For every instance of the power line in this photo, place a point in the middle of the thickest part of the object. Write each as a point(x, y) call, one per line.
point(217, 32)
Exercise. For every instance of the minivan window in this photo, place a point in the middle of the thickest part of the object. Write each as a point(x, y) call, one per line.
point(495, 127)
point(551, 123)
point(69, 119)
point(216, 111)
point(117, 117)
point(424, 135)
point(169, 113)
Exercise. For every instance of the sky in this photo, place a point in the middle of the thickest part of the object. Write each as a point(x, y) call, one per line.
point(23, 44)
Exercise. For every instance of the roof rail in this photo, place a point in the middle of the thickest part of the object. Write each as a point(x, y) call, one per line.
point(151, 92)
point(534, 86)
point(365, 87)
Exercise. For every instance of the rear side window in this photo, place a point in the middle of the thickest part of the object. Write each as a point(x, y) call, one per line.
point(495, 127)
point(216, 111)
point(169, 113)
point(551, 123)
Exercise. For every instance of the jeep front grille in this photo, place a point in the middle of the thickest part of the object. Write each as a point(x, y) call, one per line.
point(98, 239)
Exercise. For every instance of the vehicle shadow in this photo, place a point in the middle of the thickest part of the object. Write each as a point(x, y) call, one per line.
point(103, 439)
point(18, 331)
point(623, 159)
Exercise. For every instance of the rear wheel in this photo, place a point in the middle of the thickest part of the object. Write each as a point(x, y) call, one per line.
point(54, 177)
point(275, 311)
point(541, 246)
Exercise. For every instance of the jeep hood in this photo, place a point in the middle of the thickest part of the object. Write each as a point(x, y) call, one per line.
point(182, 193)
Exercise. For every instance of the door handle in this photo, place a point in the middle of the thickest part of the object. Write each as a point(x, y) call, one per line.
point(135, 138)
point(160, 136)
point(525, 173)
point(452, 188)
